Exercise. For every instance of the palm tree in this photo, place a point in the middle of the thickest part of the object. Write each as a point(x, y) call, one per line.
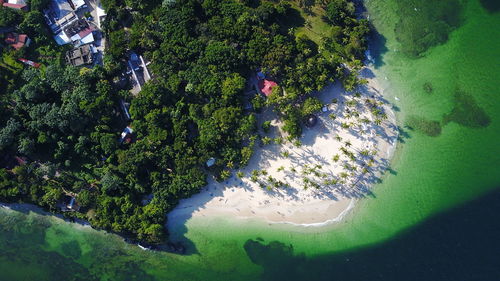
point(254, 178)
point(285, 154)
point(225, 174)
point(266, 140)
point(348, 143)
point(240, 174)
point(297, 143)
point(336, 158)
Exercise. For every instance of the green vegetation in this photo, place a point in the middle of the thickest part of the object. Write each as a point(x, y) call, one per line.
point(67, 121)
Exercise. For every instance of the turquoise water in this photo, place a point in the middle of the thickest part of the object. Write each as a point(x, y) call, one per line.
point(425, 219)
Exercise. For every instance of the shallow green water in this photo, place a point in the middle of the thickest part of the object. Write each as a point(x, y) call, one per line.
point(431, 174)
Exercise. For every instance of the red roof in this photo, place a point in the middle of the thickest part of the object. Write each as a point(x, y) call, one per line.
point(31, 63)
point(266, 86)
point(15, 40)
point(15, 6)
point(84, 32)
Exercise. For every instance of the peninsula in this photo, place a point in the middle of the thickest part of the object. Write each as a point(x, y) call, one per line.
point(114, 111)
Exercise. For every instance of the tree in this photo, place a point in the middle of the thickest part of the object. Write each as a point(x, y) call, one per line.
point(111, 183)
point(86, 198)
point(152, 233)
point(266, 126)
point(7, 133)
point(26, 146)
point(51, 197)
point(118, 45)
point(311, 105)
point(232, 87)
point(8, 17)
point(337, 11)
point(258, 102)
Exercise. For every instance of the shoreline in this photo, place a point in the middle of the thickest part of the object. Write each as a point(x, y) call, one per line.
point(243, 199)
point(281, 208)
point(31, 208)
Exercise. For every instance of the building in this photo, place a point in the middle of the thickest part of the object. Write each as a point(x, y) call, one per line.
point(69, 203)
point(14, 4)
point(81, 55)
point(126, 136)
point(17, 41)
point(266, 86)
point(30, 63)
point(64, 22)
point(77, 4)
point(79, 32)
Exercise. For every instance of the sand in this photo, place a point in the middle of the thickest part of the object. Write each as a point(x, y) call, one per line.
point(330, 194)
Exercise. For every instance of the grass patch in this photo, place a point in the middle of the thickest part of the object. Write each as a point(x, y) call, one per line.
point(9, 70)
point(314, 27)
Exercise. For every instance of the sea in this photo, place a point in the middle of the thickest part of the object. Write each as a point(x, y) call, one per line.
point(432, 216)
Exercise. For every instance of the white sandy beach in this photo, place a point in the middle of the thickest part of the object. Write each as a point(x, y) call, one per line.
point(334, 186)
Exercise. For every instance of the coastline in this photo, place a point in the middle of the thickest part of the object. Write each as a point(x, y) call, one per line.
point(243, 199)
point(27, 208)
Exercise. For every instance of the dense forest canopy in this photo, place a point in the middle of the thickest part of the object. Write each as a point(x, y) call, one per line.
point(67, 121)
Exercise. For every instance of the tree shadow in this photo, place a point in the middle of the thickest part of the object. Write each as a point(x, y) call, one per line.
point(377, 47)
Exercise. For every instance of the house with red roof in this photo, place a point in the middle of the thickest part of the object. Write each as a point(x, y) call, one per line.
point(17, 41)
point(266, 86)
point(14, 4)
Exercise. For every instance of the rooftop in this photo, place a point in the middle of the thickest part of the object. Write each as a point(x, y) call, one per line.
point(15, 4)
point(266, 86)
point(60, 8)
point(79, 27)
point(17, 41)
point(80, 56)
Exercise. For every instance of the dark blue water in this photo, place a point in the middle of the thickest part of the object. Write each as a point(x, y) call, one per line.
point(461, 244)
